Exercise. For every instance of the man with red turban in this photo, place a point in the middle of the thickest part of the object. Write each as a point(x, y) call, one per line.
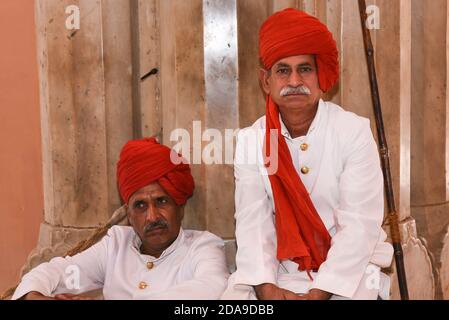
point(309, 213)
point(154, 258)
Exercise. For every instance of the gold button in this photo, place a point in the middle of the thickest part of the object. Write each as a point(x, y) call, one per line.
point(304, 146)
point(150, 265)
point(305, 170)
point(142, 285)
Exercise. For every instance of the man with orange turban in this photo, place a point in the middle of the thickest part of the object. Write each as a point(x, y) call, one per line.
point(309, 212)
point(154, 258)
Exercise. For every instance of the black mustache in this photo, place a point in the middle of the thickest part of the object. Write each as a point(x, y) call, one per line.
point(157, 224)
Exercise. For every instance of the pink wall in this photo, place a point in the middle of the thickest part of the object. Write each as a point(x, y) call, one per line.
point(21, 195)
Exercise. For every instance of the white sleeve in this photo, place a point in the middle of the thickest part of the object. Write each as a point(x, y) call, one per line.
point(210, 275)
point(81, 273)
point(358, 218)
point(255, 229)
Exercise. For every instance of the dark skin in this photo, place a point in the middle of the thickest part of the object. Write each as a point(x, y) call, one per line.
point(155, 218)
point(153, 208)
point(297, 112)
point(34, 295)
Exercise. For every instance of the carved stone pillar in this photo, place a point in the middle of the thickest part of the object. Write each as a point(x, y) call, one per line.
point(444, 259)
point(444, 269)
point(86, 116)
point(430, 126)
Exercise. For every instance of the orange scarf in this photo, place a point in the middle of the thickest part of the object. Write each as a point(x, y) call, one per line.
point(301, 234)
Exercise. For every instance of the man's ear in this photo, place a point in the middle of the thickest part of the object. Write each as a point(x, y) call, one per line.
point(181, 211)
point(128, 214)
point(264, 75)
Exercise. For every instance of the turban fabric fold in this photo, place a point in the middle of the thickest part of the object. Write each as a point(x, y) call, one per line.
point(301, 234)
point(293, 32)
point(145, 161)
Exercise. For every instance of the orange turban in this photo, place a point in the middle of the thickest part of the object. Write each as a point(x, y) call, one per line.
point(146, 161)
point(293, 32)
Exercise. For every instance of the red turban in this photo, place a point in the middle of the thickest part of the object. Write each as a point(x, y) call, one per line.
point(293, 32)
point(146, 161)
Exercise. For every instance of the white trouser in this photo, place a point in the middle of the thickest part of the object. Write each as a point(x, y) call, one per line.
point(374, 284)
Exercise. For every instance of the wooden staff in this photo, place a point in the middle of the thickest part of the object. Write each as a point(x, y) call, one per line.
point(384, 154)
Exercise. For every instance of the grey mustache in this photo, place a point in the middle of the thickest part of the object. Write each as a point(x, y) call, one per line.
point(298, 90)
point(157, 224)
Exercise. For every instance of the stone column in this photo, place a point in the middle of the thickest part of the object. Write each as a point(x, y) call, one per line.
point(394, 65)
point(182, 86)
point(444, 259)
point(86, 116)
point(430, 126)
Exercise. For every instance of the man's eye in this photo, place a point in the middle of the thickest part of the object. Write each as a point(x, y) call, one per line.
point(140, 205)
point(162, 200)
point(305, 69)
point(282, 71)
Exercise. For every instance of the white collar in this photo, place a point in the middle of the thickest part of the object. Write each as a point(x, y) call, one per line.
point(313, 126)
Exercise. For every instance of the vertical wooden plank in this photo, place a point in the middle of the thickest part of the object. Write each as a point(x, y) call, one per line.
point(429, 114)
point(278, 5)
point(330, 13)
point(149, 58)
point(221, 97)
point(118, 82)
point(394, 62)
point(321, 11)
point(354, 84)
point(429, 123)
point(182, 88)
point(308, 6)
point(135, 58)
point(405, 88)
point(388, 58)
point(429, 97)
point(250, 16)
point(447, 106)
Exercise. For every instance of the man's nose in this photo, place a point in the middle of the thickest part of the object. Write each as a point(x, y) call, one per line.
point(295, 79)
point(152, 212)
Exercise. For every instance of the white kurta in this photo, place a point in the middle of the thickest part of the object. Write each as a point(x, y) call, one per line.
point(346, 186)
point(193, 267)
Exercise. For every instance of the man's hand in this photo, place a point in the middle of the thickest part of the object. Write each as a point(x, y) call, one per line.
point(34, 295)
point(69, 296)
point(316, 294)
point(269, 291)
